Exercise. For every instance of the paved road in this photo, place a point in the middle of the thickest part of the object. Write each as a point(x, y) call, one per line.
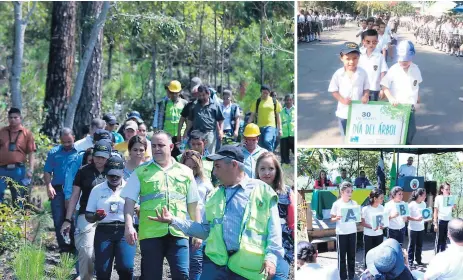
point(439, 118)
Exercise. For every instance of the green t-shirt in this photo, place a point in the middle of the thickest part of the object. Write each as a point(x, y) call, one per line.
point(339, 180)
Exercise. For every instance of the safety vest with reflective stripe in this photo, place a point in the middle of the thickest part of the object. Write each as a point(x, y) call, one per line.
point(159, 188)
point(172, 117)
point(248, 260)
point(287, 122)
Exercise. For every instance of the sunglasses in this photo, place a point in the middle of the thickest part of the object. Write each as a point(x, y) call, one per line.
point(114, 177)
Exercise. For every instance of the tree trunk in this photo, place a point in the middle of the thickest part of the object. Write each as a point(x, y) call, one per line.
point(89, 106)
point(88, 50)
point(201, 41)
point(110, 56)
point(60, 66)
point(229, 52)
point(262, 43)
point(20, 25)
point(214, 65)
point(222, 62)
point(153, 72)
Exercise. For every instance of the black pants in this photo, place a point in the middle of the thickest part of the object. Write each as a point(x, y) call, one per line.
point(441, 237)
point(175, 151)
point(415, 245)
point(287, 144)
point(346, 251)
point(397, 234)
point(370, 243)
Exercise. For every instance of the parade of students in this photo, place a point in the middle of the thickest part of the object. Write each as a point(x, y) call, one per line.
point(396, 229)
point(416, 226)
point(372, 237)
point(442, 216)
point(346, 233)
point(268, 169)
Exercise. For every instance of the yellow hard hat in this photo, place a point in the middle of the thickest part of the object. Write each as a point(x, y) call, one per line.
point(251, 130)
point(174, 86)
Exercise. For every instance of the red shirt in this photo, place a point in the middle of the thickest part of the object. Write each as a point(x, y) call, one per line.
point(319, 184)
point(24, 145)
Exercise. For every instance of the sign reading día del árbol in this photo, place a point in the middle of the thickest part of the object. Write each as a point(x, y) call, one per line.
point(377, 123)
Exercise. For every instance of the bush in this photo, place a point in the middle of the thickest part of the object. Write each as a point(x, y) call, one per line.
point(29, 263)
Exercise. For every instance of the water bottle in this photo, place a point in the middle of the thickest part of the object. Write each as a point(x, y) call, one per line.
point(67, 238)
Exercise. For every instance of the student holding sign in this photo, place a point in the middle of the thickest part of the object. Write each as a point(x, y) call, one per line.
point(372, 221)
point(416, 226)
point(397, 211)
point(346, 213)
point(443, 206)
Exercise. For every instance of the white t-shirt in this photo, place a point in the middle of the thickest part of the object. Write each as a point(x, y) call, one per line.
point(405, 170)
point(446, 265)
point(204, 188)
point(103, 197)
point(398, 222)
point(343, 228)
point(443, 213)
point(367, 213)
point(374, 65)
point(348, 87)
point(415, 212)
point(84, 143)
point(404, 86)
point(316, 271)
point(383, 41)
point(300, 18)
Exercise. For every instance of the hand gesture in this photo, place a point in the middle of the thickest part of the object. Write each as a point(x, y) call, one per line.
point(65, 228)
point(196, 243)
point(393, 101)
point(346, 101)
point(164, 217)
point(130, 234)
point(269, 269)
point(51, 192)
point(365, 99)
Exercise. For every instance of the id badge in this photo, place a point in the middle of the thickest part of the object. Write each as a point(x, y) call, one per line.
point(113, 207)
point(12, 147)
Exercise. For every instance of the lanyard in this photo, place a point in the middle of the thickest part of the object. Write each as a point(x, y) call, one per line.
point(17, 136)
point(228, 200)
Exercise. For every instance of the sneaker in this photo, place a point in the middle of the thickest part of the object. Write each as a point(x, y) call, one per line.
point(421, 263)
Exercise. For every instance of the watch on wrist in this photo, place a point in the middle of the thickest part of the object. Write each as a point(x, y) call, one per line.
point(68, 220)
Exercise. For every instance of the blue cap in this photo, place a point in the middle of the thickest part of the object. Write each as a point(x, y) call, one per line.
point(405, 51)
point(386, 259)
point(349, 47)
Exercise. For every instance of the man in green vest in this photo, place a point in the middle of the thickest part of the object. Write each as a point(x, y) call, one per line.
point(161, 183)
point(167, 115)
point(287, 125)
point(241, 224)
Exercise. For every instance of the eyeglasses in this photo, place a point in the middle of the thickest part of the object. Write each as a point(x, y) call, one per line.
point(114, 177)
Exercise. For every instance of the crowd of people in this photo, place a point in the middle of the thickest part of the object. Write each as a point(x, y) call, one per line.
point(213, 209)
point(384, 257)
point(443, 33)
point(310, 24)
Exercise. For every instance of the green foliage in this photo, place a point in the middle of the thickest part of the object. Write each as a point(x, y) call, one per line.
point(63, 270)
point(11, 227)
point(29, 263)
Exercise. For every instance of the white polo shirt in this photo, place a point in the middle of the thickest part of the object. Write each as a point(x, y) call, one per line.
point(446, 265)
point(404, 86)
point(103, 197)
point(348, 87)
point(343, 228)
point(367, 213)
point(443, 213)
point(374, 65)
point(383, 41)
point(398, 222)
point(415, 212)
point(406, 170)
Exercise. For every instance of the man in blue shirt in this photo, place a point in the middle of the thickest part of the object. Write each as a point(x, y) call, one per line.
point(54, 177)
point(362, 181)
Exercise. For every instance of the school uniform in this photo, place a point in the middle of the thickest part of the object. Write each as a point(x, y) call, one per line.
point(444, 215)
point(346, 237)
point(404, 87)
point(396, 228)
point(415, 232)
point(347, 87)
point(371, 237)
point(374, 65)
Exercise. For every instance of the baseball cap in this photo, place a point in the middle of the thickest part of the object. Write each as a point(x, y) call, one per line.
point(136, 115)
point(131, 124)
point(101, 134)
point(386, 259)
point(227, 151)
point(349, 47)
point(115, 166)
point(102, 148)
point(405, 51)
point(110, 119)
point(174, 86)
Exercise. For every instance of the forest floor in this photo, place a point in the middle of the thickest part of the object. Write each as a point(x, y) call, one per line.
point(52, 252)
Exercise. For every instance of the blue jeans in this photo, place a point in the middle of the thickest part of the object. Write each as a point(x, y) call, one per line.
point(153, 251)
point(110, 244)
point(17, 174)
point(58, 212)
point(211, 271)
point(196, 261)
point(267, 138)
point(282, 270)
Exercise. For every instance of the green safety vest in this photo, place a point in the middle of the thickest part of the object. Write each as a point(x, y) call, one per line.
point(248, 260)
point(287, 122)
point(159, 188)
point(172, 117)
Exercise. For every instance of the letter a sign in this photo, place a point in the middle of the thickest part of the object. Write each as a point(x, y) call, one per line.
point(350, 214)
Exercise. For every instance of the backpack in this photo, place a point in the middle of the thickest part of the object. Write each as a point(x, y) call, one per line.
point(233, 110)
point(274, 109)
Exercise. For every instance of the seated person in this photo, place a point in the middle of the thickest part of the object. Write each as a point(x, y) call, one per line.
point(308, 268)
point(362, 181)
point(322, 182)
point(342, 178)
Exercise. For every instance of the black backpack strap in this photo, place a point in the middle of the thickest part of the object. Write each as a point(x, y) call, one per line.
point(275, 110)
point(257, 108)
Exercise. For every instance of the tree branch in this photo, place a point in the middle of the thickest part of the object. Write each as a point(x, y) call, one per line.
point(29, 14)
